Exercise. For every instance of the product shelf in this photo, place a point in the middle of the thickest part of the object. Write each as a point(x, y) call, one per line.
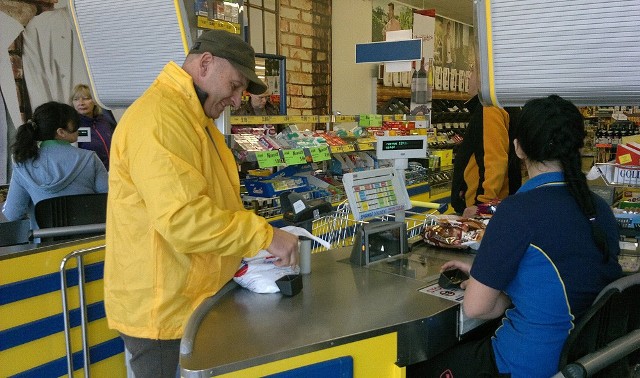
point(619, 174)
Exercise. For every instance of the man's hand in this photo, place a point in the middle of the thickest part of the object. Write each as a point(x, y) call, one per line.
point(285, 246)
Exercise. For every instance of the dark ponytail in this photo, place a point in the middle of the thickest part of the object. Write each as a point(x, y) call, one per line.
point(552, 128)
point(46, 120)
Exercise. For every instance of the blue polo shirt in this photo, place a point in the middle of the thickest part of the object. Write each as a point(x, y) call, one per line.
point(538, 249)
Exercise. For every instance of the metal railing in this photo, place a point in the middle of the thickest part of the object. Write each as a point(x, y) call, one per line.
point(78, 255)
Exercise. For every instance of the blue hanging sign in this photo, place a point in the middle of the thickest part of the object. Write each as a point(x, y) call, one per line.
point(389, 51)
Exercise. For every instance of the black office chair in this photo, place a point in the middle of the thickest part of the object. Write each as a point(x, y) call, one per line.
point(15, 232)
point(606, 340)
point(73, 210)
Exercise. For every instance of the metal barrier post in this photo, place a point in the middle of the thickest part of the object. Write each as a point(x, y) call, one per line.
point(78, 255)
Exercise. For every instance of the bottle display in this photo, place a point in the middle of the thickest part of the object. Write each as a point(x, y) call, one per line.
point(421, 84)
point(414, 80)
point(430, 74)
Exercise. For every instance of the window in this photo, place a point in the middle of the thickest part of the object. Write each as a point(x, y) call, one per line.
point(262, 18)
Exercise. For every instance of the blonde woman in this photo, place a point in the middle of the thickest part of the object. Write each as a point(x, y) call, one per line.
point(101, 123)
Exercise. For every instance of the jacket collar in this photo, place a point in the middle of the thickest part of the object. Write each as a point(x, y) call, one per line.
point(174, 76)
point(544, 179)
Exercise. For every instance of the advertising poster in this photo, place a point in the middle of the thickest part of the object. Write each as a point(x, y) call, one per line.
point(454, 44)
point(389, 16)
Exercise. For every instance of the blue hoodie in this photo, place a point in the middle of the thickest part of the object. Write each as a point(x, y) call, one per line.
point(60, 170)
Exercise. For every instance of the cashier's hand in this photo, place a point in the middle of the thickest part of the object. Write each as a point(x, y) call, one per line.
point(455, 264)
point(285, 246)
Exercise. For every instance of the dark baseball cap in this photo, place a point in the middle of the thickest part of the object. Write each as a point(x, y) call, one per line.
point(231, 47)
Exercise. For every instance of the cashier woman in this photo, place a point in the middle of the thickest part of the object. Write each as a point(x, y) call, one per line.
point(176, 227)
point(546, 254)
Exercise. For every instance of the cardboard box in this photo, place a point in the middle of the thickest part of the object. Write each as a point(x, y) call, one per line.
point(438, 78)
point(461, 81)
point(628, 154)
point(626, 176)
point(446, 157)
point(445, 79)
point(453, 80)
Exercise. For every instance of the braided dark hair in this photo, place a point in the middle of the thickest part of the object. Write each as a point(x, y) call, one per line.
point(47, 119)
point(552, 128)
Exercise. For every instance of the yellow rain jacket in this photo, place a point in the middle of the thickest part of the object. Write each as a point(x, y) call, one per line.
point(176, 228)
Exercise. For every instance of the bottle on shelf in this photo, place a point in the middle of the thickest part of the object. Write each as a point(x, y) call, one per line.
point(430, 74)
point(414, 80)
point(421, 84)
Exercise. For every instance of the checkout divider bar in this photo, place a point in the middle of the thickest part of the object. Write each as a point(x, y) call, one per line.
point(69, 230)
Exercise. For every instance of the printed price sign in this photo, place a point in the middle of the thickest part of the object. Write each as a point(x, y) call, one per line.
point(366, 146)
point(294, 157)
point(320, 153)
point(337, 149)
point(348, 148)
point(268, 159)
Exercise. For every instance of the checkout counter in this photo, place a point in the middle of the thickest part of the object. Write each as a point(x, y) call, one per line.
point(32, 335)
point(371, 319)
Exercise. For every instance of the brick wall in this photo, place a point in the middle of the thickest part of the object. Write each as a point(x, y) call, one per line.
point(22, 11)
point(305, 40)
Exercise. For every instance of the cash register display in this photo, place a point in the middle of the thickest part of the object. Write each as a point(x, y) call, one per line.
point(401, 147)
point(375, 192)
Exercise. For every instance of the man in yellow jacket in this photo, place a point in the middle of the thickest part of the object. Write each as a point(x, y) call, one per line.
point(176, 227)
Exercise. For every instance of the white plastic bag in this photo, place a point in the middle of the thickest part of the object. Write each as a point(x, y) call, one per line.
point(259, 274)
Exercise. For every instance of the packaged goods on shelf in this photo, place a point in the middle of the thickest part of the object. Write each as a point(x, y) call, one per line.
point(251, 142)
point(273, 187)
point(265, 129)
point(283, 180)
point(202, 8)
point(627, 219)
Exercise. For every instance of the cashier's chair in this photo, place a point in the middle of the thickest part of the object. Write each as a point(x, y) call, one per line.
point(72, 210)
point(606, 340)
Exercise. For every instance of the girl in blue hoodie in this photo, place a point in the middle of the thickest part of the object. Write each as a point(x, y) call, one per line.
point(46, 165)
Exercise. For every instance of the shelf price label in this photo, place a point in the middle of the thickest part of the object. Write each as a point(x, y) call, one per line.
point(231, 27)
point(346, 118)
point(268, 159)
point(348, 148)
point(366, 146)
point(337, 149)
point(294, 157)
point(320, 153)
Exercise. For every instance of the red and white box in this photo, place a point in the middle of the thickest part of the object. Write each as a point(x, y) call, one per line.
point(628, 154)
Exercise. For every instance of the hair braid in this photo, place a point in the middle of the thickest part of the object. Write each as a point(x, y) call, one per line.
point(552, 128)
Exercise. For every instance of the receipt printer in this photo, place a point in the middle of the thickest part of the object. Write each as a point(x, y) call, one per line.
point(297, 210)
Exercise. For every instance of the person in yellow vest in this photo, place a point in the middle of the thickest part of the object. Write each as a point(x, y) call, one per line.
point(176, 228)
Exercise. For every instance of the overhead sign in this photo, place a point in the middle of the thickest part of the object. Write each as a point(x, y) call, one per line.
point(389, 51)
